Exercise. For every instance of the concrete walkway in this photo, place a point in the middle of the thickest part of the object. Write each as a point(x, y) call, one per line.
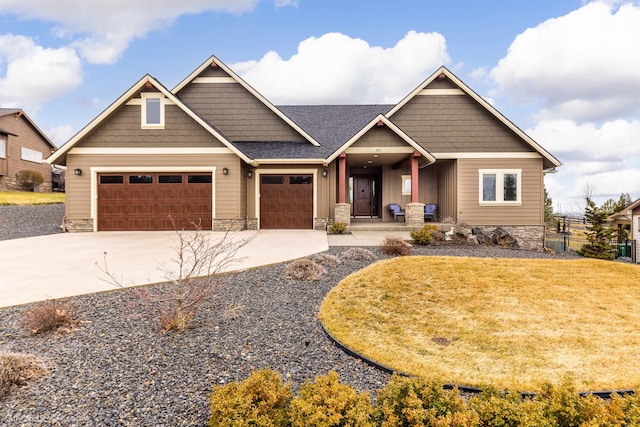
point(62, 265)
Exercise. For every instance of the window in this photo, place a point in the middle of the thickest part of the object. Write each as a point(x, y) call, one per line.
point(170, 179)
point(140, 179)
point(31, 155)
point(199, 179)
point(152, 111)
point(500, 187)
point(111, 179)
point(300, 180)
point(3, 146)
point(406, 185)
point(272, 179)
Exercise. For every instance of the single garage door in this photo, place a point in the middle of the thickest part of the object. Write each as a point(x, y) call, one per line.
point(154, 201)
point(286, 201)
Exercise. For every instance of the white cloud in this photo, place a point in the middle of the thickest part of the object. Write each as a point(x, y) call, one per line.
point(284, 3)
point(103, 29)
point(605, 157)
point(583, 66)
point(35, 75)
point(336, 69)
point(60, 134)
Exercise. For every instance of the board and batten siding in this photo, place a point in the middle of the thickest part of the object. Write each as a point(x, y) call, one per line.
point(123, 129)
point(238, 114)
point(228, 188)
point(530, 212)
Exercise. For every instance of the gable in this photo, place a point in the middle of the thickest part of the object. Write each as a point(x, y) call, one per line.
point(380, 136)
point(123, 129)
point(235, 112)
point(455, 123)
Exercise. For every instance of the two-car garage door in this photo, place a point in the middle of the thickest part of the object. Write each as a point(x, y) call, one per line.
point(167, 200)
point(154, 201)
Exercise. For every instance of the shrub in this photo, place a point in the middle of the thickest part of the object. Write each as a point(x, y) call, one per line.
point(304, 269)
point(47, 316)
point(392, 245)
point(438, 235)
point(28, 179)
point(424, 236)
point(325, 260)
point(358, 254)
point(17, 369)
point(412, 402)
point(500, 409)
point(337, 227)
point(327, 402)
point(260, 400)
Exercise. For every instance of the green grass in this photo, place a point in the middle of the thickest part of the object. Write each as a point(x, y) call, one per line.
point(508, 323)
point(30, 198)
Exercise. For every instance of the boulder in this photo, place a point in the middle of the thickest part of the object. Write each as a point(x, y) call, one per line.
point(473, 239)
point(501, 237)
point(481, 237)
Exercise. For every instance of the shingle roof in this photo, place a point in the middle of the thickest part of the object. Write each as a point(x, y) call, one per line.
point(330, 125)
point(5, 111)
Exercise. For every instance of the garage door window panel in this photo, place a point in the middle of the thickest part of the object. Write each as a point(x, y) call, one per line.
point(111, 179)
point(140, 179)
point(170, 179)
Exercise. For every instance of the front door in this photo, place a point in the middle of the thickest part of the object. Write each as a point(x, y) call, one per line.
point(364, 196)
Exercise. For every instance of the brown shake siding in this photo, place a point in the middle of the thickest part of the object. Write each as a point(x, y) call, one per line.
point(236, 112)
point(529, 213)
point(228, 191)
point(380, 137)
point(123, 129)
point(26, 137)
point(455, 124)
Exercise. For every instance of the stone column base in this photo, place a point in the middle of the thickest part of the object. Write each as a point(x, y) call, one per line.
point(342, 213)
point(414, 214)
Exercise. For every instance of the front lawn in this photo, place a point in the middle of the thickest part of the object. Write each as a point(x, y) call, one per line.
point(505, 322)
point(30, 198)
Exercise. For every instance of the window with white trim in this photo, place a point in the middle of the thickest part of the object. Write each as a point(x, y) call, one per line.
point(152, 110)
point(31, 155)
point(406, 185)
point(500, 187)
point(3, 146)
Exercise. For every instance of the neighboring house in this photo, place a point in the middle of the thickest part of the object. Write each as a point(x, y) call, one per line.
point(23, 146)
point(214, 149)
point(629, 217)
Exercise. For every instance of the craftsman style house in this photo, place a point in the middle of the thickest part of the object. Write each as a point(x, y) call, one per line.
point(214, 150)
point(23, 146)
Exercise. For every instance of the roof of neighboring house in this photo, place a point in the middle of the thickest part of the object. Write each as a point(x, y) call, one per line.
point(625, 213)
point(7, 111)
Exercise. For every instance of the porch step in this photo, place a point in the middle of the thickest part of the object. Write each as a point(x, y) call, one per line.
point(382, 226)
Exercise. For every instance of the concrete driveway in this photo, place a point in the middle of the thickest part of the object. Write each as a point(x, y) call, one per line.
point(62, 265)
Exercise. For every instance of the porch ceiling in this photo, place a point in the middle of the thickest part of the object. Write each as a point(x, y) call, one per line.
point(364, 160)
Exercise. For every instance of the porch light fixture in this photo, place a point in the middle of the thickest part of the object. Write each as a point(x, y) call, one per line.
point(225, 171)
point(250, 174)
point(325, 173)
point(77, 171)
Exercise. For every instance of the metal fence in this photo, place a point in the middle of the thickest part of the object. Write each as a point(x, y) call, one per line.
point(568, 243)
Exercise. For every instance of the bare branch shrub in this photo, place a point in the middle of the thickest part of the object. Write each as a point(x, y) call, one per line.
point(325, 260)
point(304, 269)
point(49, 316)
point(17, 369)
point(191, 276)
point(358, 254)
point(392, 245)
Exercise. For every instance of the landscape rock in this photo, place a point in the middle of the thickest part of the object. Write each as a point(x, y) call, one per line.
point(502, 238)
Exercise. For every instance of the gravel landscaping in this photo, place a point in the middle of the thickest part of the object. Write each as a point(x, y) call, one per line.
point(17, 222)
point(118, 369)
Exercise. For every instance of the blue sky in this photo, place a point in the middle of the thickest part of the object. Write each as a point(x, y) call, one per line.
point(567, 72)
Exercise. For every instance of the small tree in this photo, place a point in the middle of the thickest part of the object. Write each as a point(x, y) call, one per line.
point(28, 179)
point(548, 207)
point(191, 276)
point(598, 233)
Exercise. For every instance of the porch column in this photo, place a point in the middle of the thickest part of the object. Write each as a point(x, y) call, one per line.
point(342, 180)
point(342, 210)
point(414, 176)
point(414, 211)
